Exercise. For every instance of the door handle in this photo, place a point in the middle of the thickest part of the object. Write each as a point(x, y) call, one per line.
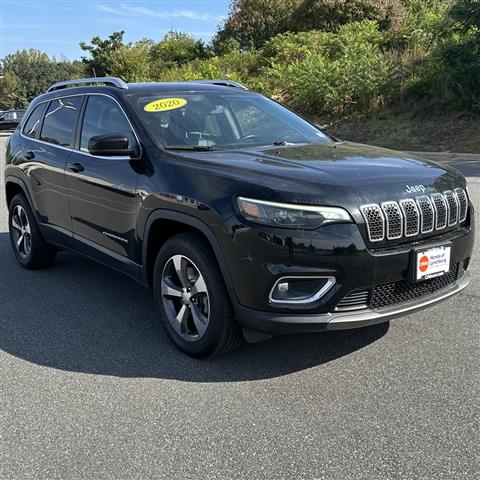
point(75, 167)
point(29, 155)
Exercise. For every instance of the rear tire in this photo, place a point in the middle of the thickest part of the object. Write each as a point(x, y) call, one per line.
point(29, 247)
point(191, 298)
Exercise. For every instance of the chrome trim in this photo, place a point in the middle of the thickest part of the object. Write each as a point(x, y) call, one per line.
point(451, 193)
point(367, 223)
point(338, 321)
point(385, 204)
point(414, 203)
point(72, 149)
point(462, 191)
point(439, 195)
point(115, 237)
point(312, 298)
point(114, 81)
point(421, 213)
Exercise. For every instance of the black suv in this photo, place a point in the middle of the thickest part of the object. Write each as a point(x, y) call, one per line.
point(238, 213)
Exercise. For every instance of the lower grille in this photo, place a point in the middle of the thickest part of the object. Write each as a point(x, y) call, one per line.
point(353, 301)
point(395, 293)
point(404, 291)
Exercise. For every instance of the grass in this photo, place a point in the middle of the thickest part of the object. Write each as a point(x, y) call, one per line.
point(427, 128)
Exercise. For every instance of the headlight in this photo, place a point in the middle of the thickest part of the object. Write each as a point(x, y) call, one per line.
point(290, 215)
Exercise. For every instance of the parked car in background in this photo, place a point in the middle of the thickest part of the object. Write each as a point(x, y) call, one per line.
point(10, 119)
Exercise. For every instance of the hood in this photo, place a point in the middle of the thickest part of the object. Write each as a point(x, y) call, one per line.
point(346, 174)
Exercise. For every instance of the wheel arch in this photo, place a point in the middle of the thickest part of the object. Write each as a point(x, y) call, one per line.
point(177, 222)
point(14, 186)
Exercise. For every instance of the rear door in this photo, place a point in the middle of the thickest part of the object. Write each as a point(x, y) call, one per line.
point(51, 128)
point(102, 190)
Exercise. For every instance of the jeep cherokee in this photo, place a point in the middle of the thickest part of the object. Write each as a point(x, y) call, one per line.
point(237, 212)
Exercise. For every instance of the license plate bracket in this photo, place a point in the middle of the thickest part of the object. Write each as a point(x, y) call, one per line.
point(430, 262)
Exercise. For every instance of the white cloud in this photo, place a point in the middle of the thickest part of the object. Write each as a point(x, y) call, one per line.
point(139, 11)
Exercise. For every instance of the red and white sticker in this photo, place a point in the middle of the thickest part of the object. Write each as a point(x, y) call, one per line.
point(433, 262)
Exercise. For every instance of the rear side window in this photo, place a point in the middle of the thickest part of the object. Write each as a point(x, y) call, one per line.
point(60, 121)
point(33, 123)
point(103, 116)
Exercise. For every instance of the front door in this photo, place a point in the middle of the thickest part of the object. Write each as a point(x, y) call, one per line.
point(102, 190)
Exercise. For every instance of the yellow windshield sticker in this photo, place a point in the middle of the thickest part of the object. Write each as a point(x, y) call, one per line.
point(164, 104)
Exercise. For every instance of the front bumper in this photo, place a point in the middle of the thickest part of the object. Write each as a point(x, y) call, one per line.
point(271, 323)
point(257, 258)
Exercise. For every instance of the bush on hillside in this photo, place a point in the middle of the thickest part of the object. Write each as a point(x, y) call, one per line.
point(252, 26)
point(330, 73)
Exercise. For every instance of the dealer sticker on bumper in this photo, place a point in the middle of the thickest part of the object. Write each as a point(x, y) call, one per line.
point(432, 262)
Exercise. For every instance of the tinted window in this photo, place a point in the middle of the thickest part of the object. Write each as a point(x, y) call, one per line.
point(103, 116)
point(60, 121)
point(35, 119)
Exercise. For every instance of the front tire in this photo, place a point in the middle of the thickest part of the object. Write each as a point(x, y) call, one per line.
point(191, 298)
point(29, 247)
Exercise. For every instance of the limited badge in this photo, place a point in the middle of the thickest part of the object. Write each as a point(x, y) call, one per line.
point(164, 104)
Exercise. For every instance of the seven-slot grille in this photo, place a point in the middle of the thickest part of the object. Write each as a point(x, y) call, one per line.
point(413, 216)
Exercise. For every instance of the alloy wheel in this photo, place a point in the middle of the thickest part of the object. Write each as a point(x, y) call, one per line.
point(21, 231)
point(185, 298)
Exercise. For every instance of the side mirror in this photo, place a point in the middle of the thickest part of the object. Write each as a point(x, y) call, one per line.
point(111, 145)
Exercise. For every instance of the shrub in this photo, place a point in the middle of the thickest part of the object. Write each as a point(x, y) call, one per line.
point(252, 26)
point(331, 73)
point(452, 71)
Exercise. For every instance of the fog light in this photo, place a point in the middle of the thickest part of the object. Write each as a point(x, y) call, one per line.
point(300, 290)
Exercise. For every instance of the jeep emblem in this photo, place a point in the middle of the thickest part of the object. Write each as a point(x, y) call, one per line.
point(414, 188)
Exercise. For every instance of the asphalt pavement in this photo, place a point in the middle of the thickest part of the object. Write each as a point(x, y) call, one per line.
point(91, 388)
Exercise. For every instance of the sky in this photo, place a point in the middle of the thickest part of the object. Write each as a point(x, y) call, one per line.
point(57, 26)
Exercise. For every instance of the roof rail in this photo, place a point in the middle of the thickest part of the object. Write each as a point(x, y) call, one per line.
point(224, 83)
point(116, 82)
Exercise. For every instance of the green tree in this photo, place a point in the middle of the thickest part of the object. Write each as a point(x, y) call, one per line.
point(178, 48)
point(252, 26)
point(132, 62)
point(8, 92)
point(28, 73)
point(99, 63)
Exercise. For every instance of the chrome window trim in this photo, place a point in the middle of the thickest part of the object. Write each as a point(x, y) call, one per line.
point(312, 298)
point(385, 204)
point(421, 213)
point(362, 207)
point(445, 204)
point(73, 149)
point(412, 201)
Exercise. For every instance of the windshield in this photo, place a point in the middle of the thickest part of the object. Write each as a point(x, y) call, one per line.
point(211, 120)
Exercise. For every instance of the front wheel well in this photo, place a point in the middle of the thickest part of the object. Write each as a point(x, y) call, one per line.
point(160, 231)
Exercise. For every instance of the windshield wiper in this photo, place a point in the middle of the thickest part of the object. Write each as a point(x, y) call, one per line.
point(192, 148)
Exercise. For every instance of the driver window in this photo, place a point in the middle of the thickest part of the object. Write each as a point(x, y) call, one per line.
point(102, 117)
